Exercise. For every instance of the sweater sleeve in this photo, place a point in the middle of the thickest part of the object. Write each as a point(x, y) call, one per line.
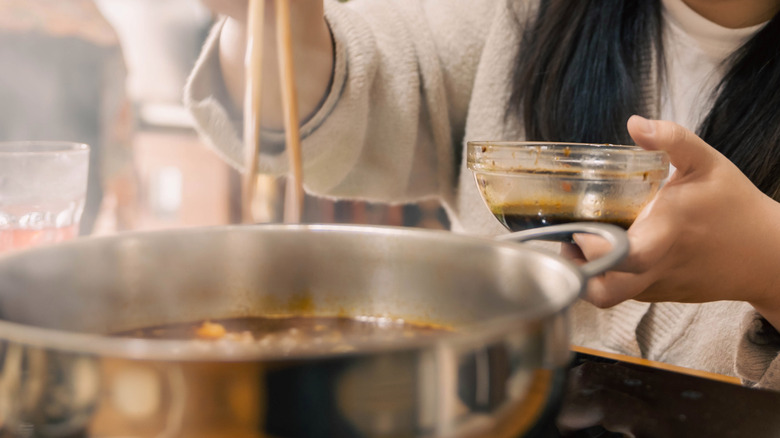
point(758, 353)
point(390, 126)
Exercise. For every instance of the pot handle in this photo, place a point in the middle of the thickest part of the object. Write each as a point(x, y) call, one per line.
point(615, 235)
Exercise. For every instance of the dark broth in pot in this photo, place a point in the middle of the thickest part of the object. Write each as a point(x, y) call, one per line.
point(292, 333)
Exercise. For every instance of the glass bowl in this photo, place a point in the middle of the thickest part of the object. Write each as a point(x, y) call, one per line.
point(533, 184)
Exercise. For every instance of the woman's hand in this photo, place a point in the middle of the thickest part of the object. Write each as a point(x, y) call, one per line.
point(235, 9)
point(312, 53)
point(708, 235)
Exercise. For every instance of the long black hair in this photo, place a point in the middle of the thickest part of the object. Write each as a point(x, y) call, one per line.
point(585, 66)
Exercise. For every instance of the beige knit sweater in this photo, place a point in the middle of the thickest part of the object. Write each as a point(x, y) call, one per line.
point(413, 80)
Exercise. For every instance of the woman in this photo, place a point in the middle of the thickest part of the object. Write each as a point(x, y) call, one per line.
point(393, 89)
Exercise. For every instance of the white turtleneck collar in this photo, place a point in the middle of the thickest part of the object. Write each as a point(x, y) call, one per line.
point(716, 40)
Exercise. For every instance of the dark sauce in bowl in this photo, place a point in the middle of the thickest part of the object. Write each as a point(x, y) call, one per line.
point(517, 217)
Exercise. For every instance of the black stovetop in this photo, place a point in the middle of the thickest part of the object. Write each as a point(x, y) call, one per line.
point(610, 398)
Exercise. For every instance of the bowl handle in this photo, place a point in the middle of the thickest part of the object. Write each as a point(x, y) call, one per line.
point(615, 235)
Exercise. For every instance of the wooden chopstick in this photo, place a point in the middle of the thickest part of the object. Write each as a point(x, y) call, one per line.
point(293, 205)
point(253, 64)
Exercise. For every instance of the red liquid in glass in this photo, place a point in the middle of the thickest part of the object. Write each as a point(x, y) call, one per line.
point(20, 238)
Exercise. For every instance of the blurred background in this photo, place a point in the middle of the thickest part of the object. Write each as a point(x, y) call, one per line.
point(111, 73)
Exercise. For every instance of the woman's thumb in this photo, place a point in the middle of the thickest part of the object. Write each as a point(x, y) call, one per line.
point(687, 152)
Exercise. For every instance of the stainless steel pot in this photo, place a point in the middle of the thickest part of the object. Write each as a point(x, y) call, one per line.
point(495, 375)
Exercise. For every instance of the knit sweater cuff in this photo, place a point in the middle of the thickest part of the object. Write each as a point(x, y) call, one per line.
point(207, 100)
point(220, 124)
point(758, 360)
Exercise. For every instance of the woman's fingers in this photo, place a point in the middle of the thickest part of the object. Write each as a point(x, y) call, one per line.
point(572, 252)
point(232, 8)
point(650, 239)
point(613, 288)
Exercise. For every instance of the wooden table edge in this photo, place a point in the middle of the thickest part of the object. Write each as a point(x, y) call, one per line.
point(656, 364)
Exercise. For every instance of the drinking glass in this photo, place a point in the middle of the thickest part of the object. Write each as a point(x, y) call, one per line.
point(42, 192)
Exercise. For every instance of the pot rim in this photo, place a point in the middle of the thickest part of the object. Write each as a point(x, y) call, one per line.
point(195, 350)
